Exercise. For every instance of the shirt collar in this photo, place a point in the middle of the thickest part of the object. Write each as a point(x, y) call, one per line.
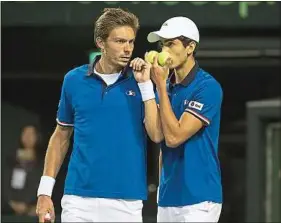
point(189, 78)
point(124, 72)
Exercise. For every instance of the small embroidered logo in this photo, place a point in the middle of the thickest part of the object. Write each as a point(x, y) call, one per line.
point(131, 93)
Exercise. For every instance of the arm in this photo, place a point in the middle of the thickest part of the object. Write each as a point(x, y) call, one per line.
point(176, 131)
point(208, 98)
point(57, 149)
point(59, 141)
point(153, 121)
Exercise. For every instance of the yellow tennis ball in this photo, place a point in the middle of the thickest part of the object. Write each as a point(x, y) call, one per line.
point(149, 57)
point(162, 58)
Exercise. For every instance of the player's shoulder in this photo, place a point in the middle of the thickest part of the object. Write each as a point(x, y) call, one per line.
point(130, 74)
point(76, 73)
point(129, 71)
point(207, 80)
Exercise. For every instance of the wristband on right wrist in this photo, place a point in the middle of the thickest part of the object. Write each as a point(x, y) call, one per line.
point(46, 186)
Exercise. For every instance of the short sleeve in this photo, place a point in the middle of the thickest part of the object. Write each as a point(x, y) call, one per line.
point(65, 111)
point(206, 102)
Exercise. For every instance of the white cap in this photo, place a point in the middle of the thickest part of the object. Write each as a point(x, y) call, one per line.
point(175, 27)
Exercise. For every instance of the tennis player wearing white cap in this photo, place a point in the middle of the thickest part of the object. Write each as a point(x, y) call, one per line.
point(189, 104)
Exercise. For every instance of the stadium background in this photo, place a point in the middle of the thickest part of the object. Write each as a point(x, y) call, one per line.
point(240, 46)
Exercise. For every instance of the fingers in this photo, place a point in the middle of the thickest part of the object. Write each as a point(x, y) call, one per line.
point(140, 64)
point(45, 209)
point(42, 217)
point(168, 63)
point(46, 216)
point(166, 68)
point(155, 61)
point(53, 215)
point(137, 64)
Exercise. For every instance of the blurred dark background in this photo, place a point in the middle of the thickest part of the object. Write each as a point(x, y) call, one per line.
point(41, 41)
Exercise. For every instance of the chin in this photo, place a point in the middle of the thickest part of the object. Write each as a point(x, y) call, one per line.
point(172, 66)
point(122, 64)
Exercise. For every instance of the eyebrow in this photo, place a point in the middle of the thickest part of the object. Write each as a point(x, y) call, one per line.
point(169, 40)
point(121, 38)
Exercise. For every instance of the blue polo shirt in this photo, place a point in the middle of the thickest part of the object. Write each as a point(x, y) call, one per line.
point(109, 151)
point(191, 172)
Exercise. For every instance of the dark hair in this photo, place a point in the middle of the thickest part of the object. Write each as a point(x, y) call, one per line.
point(112, 18)
point(186, 41)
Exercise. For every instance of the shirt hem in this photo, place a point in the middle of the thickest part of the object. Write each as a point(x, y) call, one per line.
point(104, 194)
point(192, 202)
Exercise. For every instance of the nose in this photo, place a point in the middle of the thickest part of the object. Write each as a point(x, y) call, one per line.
point(128, 47)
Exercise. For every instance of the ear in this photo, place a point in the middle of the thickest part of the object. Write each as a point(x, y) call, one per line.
point(191, 47)
point(100, 43)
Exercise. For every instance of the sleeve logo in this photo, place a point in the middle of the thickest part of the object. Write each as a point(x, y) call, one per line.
point(196, 105)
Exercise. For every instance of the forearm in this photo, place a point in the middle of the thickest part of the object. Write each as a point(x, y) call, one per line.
point(56, 152)
point(57, 149)
point(170, 124)
point(153, 121)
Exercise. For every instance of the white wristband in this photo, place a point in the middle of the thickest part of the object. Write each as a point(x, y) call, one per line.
point(146, 89)
point(46, 186)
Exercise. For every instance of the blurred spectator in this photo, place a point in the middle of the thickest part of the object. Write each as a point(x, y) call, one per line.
point(22, 176)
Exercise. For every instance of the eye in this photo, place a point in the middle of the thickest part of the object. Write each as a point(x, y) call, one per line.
point(121, 41)
point(169, 44)
point(132, 41)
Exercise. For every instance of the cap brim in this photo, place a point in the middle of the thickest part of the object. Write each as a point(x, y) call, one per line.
point(157, 35)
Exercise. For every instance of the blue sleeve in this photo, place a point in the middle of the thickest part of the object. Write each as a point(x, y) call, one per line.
point(65, 112)
point(206, 102)
point(156, 97)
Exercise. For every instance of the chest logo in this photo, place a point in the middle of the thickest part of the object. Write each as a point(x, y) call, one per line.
point(131, 93)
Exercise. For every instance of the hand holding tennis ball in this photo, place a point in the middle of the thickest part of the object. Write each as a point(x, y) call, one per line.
point(163, 58)
point(159, 71)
